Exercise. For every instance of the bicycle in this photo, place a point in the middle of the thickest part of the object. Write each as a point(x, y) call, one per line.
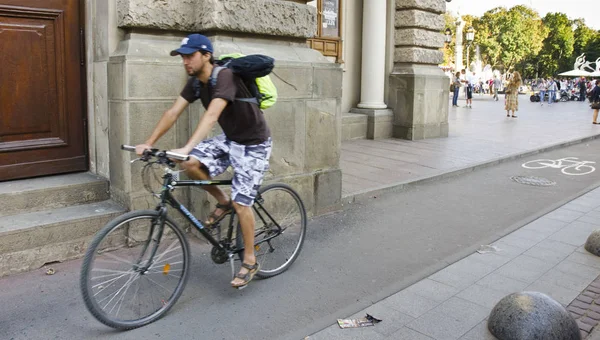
point(580, 167)
point(146, 249)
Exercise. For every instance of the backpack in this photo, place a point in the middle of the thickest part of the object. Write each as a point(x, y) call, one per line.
point(254, 71)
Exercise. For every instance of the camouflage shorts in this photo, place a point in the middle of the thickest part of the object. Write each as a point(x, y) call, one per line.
point(249, 163)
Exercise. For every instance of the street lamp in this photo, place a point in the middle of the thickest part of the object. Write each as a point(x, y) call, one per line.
point(470, 37)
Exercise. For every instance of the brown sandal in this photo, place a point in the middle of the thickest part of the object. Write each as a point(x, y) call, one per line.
point(252, 270)
point(226, 210)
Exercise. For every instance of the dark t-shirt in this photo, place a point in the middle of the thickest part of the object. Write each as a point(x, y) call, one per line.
point(242, 122)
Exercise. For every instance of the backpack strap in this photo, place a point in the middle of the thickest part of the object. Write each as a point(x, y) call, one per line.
point(213, 83)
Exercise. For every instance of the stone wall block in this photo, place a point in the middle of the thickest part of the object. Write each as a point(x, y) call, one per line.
point(323, 140)
point(418, 55)
point(292, 82)
point(287, 121)
point(265, 17)
point(328, 191)
point(421, 19)
point(118, 132)
point(436, 6)
point(155, 80)
point(100, 124)
point(328, 82)
point(418, 37)
point(303, 184)
point(416, 114)
point(116, 80)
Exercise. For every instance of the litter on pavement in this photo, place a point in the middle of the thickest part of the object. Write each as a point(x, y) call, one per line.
point(354, 323)
point(487, 249)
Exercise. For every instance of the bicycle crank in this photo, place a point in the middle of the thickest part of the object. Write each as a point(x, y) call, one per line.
point(219, 256)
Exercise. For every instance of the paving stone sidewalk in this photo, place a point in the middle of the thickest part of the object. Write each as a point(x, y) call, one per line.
point(476, 136)
point(547, 256)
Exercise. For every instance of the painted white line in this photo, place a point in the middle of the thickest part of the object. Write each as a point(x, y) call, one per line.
point(570, 165)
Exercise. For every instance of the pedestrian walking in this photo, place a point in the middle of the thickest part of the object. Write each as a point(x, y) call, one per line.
point(456, 88)
point(512, 95)
point(497, 85)
point(582, 89)
point(552, 88)
point(542, 86)
point(595, 99)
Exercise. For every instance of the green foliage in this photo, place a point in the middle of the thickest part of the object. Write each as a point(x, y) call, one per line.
point(518, 38)
point(558, 46)
point(507, 37)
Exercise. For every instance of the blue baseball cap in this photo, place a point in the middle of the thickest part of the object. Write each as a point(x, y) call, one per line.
point(192, 43)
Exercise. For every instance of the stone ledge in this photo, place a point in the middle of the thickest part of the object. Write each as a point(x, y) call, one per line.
point(418, 37)
point(436, 6)
point(417, 18)
point(417, 55)
point(265, 17)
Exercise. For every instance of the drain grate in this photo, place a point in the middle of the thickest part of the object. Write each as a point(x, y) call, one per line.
point(532, 180)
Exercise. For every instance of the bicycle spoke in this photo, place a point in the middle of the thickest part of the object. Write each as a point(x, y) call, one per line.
point(110, 281)
point(118, 259)
point(156, 283)
point(129, 281)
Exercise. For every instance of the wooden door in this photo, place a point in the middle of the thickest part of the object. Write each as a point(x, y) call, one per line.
point(42, 88)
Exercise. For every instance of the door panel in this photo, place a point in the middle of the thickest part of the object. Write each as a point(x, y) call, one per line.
point(42, 119)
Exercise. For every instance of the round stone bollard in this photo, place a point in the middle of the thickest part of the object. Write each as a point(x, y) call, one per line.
point(532, 315)
point(593, 243)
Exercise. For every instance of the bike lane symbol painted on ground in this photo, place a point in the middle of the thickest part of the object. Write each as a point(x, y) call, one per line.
point(568, 165)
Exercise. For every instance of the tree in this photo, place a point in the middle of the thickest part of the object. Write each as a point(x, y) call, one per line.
point(582, 36)
point(487, 31)
point(508, 37)
point(558, 46)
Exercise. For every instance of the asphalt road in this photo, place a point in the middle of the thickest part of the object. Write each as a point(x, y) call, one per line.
point(350, 259)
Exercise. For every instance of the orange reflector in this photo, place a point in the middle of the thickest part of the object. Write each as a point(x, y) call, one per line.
point(257, 247)
point(166, 269)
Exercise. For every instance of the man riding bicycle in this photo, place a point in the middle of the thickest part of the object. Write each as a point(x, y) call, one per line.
point(245, 143)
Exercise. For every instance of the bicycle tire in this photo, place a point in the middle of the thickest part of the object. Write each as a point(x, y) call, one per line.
point(127, 243)
point(564, 170)
point(263, 230)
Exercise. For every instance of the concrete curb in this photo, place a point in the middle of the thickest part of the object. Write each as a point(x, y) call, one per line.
point(400, 186)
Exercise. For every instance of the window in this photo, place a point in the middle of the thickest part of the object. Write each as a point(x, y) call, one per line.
point(328, 39)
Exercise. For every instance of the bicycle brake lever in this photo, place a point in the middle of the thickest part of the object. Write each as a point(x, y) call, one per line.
point(135, 160)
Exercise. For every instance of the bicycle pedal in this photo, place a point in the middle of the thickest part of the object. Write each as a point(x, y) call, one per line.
point(241, 287)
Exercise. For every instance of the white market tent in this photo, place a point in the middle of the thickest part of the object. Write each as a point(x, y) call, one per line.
point(576, 73)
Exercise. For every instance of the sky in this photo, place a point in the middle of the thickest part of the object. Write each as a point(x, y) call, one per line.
point(572, 8)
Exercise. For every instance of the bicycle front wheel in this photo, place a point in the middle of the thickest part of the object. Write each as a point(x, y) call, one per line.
point(279, 231)
point(134, 270)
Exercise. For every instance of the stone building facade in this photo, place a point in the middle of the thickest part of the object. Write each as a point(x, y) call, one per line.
point(389, 81)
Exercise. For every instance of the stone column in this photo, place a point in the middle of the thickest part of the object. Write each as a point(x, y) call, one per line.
point(373, 71)
point(419, 89)
point(373, 56)
point(305, 122)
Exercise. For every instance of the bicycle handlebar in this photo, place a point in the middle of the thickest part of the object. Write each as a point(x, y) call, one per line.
point(157, 153)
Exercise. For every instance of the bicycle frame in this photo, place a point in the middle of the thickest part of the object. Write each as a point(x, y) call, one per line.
point(169, 184)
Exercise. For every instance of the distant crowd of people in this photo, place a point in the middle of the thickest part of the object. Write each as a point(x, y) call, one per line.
point(548, 89)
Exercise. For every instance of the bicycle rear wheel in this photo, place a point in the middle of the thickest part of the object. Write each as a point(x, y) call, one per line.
point(279, 231)
point(134, 270)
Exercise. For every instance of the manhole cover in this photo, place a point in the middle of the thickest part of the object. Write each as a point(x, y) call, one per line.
point(532, 180)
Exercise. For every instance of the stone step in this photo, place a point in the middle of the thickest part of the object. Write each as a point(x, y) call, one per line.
point(51, 192)
point(354, 126)
point(30, 240)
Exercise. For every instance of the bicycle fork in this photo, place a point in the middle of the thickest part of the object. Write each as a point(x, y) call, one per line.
point(154, 237)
